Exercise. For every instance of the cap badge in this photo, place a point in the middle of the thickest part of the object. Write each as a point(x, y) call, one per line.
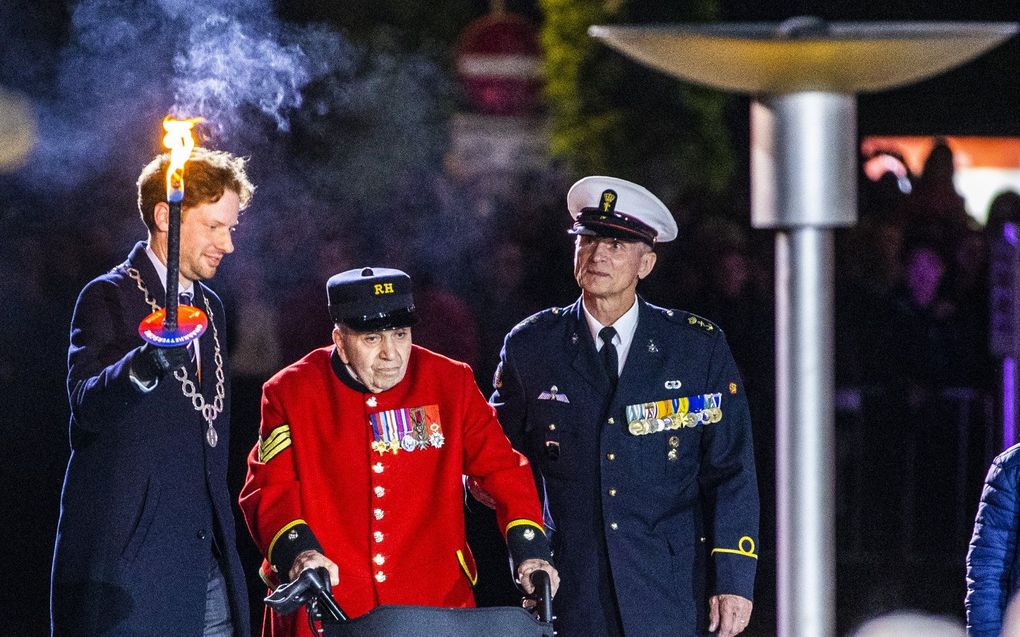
point(608, 201)
point(383, 288)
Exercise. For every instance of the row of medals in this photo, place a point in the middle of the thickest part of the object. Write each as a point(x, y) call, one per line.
point(411, 442)
point(676, 421)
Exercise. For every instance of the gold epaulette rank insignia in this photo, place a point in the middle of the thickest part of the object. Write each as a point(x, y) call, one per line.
point(697, 321)
point(535, 318)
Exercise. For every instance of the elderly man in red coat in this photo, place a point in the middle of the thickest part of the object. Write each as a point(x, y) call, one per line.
point(360, 460)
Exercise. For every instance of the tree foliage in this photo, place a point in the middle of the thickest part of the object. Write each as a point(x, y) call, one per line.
point(611, 115)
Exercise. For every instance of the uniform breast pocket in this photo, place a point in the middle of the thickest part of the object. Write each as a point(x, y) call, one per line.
point(554, 440)
point(680, 451)
point(670, 429)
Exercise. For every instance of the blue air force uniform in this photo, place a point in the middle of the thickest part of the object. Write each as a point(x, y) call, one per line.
point(649, 487)
point(638, 520)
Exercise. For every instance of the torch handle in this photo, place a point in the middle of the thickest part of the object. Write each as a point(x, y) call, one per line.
point(173, 264)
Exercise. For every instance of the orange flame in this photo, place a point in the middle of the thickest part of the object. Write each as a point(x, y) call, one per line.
point(180, 142)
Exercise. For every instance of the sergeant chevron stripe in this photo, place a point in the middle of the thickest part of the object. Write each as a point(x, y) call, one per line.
point(277, 440)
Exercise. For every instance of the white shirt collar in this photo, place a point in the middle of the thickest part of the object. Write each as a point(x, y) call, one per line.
point(161, 273)
point(625, 327)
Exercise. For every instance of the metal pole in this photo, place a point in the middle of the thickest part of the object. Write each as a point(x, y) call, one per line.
point(803, 157)
point(804, 433)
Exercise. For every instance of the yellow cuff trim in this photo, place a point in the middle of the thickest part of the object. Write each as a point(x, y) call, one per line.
point(740, 550)
point(522, 522)
point(463, 564)
point(277, 440)
point(279, 534)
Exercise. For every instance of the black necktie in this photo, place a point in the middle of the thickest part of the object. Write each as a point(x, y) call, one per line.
point(609, 354)
point(184, 298)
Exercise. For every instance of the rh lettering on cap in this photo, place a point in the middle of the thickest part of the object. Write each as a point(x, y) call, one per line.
point(383, 288)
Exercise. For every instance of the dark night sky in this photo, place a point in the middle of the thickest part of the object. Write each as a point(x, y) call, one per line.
point(981, 97)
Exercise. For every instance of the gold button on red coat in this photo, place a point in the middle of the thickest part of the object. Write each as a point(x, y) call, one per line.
point(378, 513)
point(380, 577)
point(377, 467)
point(380, 492)
point(377, 536)
point(379, 559)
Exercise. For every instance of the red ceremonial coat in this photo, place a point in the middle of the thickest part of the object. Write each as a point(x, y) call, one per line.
point(376, 481)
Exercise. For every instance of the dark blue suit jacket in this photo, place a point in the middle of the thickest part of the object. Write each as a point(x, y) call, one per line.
point(144, 495)
point(643, 525)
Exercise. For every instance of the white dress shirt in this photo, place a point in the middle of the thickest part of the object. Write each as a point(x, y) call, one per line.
point(625, 327)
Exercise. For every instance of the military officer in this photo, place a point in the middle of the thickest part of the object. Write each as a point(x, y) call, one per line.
point(360, 460)
point(636, 424)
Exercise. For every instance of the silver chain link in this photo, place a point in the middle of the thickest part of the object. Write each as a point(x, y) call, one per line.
point(188, 387)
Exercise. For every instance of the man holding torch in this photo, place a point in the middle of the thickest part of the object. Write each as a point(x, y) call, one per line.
point(145, 543)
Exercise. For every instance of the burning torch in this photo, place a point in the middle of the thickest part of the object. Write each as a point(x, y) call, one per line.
point(175, 324)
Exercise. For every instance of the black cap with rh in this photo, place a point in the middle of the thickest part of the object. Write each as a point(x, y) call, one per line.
point(367, 299)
